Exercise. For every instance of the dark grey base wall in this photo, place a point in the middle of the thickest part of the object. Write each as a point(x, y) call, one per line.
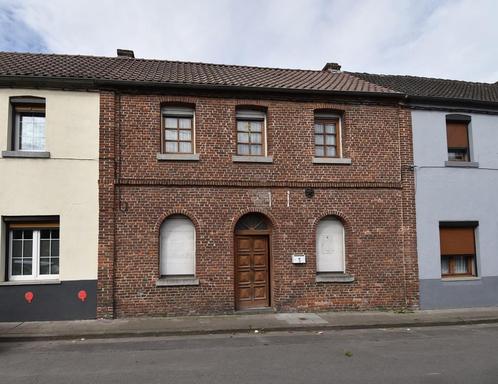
point(50, 302)
point(437, 294)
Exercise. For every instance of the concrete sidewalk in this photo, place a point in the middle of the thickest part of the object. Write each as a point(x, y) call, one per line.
point(237, 323)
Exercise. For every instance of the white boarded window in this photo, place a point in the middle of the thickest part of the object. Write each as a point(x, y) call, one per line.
point(330, 245)
point(177, 247)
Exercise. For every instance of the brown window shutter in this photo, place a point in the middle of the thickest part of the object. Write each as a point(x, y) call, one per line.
point(457, 241)
point(457, 134)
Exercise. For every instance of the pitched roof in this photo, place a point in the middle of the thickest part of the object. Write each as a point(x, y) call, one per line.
point(171, 73)
point(425, 87)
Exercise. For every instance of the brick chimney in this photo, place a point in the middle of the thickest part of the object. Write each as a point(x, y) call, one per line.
point(126, 53)
point(333, 67)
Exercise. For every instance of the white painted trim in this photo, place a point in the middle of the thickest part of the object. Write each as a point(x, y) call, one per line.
point(35, 260)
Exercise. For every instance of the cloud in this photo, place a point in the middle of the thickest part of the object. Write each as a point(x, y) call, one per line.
point(447, 38)
point(15, 34)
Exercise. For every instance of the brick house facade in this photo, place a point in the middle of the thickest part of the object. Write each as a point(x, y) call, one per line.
point(293, 191)
point(373, 197)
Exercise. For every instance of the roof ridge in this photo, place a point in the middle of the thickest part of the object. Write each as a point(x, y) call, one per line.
point(163, 61)
point(420, 77)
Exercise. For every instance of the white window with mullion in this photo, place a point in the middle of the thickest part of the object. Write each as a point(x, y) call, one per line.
point(179, 130)
point(251, 133)
point(33, 253)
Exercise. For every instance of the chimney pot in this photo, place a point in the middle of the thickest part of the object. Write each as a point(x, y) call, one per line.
point(331, 67)
point(125, 53)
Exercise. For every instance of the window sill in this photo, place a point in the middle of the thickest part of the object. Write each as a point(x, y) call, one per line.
point(30, 282)
point(26, 154)
point(331, 160)
point(176, 281)
point(463, 278)
point(178, 157)
point(252, 159)
point(334, 277)
point(461, 164)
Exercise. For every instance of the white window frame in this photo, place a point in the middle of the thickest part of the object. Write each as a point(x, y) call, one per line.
point(163, 253)
point(35, 257)
point(343, 245)
point(318, 116)
point(248, 115)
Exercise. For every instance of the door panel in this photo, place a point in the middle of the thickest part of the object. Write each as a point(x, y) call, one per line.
point(252, 276)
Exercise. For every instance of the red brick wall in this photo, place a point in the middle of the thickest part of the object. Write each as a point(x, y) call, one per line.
point(374, 196)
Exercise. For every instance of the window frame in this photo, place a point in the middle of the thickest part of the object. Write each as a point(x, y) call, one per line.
point(249, 115)
point(471, 259)
point(26, 107)
point(36, 228)
point(459, 119)
point(324, 118)
point(338, 220)
point(178, 113)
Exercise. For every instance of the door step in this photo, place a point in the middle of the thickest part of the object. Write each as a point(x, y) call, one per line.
point(254, 311)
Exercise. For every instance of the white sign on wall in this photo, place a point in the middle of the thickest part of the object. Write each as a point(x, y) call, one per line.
point(298, 258)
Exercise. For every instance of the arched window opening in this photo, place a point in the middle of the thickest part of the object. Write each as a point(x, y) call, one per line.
point(177, 247)
point(330, 256)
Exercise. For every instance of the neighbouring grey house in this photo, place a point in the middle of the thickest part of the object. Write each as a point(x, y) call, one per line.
point(455, 139)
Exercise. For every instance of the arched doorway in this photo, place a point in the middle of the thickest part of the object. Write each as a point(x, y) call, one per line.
point(252, 261)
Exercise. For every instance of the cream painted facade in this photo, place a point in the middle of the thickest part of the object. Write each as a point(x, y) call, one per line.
point(66, 184)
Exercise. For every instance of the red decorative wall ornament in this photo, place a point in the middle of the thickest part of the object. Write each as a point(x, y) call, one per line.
point(29, 296)
point(82, 295)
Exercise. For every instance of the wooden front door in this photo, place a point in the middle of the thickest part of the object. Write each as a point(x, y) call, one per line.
point(252, 273)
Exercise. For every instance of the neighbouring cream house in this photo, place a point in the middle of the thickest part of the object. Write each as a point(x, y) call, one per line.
point(49, 141)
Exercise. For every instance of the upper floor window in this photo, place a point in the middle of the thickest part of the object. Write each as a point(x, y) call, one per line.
point(251, 138)
point(330, 255)
point(458, 249)
point(178, 125)
point(327, 135)
point(33, 250)
point(177, 247)
point(457, 135)
point(28, 131)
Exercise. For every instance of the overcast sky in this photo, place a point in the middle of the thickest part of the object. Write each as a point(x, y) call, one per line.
point(447, 38)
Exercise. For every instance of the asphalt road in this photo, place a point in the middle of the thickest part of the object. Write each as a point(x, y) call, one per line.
point(457, 354)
